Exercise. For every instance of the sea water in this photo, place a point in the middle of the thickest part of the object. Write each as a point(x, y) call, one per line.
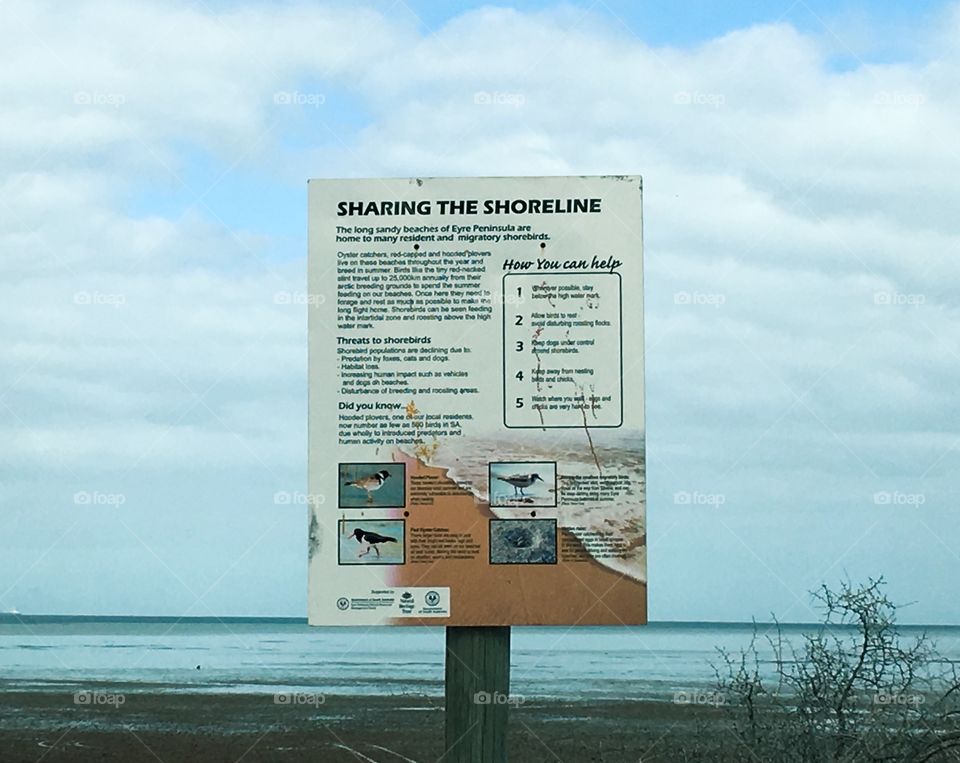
point(239, 655)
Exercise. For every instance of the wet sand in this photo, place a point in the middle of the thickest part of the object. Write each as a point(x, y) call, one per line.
point(150, 726)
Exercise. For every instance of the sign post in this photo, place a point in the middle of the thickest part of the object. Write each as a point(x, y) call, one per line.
point(476, 417)
point(477, 687)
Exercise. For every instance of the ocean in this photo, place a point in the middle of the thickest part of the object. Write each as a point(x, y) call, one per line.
point(285, 655)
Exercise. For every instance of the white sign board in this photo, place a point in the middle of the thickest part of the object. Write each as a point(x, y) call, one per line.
point(477, 401)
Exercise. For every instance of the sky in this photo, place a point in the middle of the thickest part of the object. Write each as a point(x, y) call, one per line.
point(803, 331)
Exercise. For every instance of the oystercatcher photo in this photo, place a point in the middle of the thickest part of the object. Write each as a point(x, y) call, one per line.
point(372, 541)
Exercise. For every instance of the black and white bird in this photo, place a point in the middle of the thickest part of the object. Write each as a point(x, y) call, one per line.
point(371, 539)
point(520, 481)
point(370, 483)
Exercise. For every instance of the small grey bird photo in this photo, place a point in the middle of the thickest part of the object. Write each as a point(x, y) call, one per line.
point(523, 483)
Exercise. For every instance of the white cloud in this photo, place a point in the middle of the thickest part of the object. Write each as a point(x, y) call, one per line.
point(796, 192)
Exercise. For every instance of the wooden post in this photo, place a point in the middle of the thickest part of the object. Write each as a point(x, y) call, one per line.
point(477, 689)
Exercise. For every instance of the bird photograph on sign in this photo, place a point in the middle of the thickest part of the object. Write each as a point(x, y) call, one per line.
point(371, 485)
point(523, 483)
point(371, 542)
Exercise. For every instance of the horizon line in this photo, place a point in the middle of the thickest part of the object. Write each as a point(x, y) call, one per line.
point(7, 618)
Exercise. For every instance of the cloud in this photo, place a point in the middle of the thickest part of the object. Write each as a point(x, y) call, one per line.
point(802, 315)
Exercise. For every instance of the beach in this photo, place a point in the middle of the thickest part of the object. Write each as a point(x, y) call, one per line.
point(277, 690)
point(230, 689)
point(151, 726)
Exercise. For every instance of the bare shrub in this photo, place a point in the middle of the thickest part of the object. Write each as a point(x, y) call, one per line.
point(853, 690)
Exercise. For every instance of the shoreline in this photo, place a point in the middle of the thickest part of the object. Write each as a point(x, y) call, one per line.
point(257, 727)
point(422, 689)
